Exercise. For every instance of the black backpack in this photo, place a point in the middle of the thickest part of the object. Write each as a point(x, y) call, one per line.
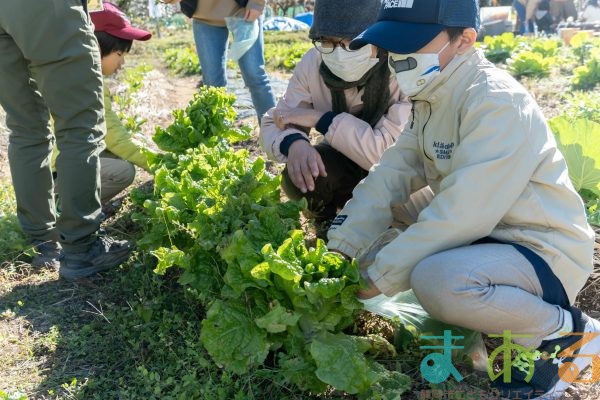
point(188, 7)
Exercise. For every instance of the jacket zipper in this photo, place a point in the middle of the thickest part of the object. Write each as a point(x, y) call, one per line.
point(412, 123)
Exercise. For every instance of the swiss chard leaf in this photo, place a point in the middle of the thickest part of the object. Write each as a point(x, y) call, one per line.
point(231, 337)
point(579, 142)
point(278, 319)
point(341, 364)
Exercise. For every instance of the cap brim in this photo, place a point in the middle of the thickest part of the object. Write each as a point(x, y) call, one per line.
point(397, 37)
point(131, 34)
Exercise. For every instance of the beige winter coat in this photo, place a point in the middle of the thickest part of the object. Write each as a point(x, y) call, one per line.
point(353, 137)
point(480, 141)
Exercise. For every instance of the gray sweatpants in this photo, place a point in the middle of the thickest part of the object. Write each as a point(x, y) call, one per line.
point(488, 288)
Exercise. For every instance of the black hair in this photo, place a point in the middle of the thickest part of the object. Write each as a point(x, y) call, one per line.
point(454, 32)
point(109, 43)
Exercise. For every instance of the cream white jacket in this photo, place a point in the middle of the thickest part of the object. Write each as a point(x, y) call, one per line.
point(480, 141)
point(351, 136)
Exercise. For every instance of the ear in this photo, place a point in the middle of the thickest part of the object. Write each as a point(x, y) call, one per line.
point(466, 40)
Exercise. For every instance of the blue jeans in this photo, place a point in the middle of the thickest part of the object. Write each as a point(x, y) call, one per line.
point(521, 15)
point(211, 45)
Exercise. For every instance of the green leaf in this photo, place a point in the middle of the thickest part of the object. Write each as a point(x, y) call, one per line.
point(341, 364)
point(262, 273)
point(169, 257)
point(348, 298)
point(231, 337)
point(333, 262)
point(324, 288)
point(529, 63)
point(390, 387)
point(579, 142)
point(301, 372)
point(287, 269)
point(242, 251)
point(278, 319)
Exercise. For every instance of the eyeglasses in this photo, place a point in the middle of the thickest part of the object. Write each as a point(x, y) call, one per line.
point(327, 46)
point(402, 65)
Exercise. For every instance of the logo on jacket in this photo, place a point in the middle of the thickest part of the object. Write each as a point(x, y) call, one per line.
point(398, 4)
point(339, 220)
point(443, 151)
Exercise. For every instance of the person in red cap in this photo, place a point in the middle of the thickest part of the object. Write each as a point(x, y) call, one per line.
point(123, 150)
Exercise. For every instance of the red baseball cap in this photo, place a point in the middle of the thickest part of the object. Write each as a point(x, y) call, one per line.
point(113, 21)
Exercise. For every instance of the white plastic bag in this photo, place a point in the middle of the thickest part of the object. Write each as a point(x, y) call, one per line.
point(405, 307)
point(244, 35)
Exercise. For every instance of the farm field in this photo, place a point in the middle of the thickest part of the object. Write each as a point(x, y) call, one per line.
point(204, 309)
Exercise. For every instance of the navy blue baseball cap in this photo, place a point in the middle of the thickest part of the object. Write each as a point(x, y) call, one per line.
point(405, 26)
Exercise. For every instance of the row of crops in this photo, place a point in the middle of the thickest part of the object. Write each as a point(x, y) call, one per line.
point(537, 57)
point(216, 215)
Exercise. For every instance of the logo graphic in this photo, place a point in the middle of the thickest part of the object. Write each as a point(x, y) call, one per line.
point(525, 361)
point(398, 4)
point(568, 371)
point(437, 367)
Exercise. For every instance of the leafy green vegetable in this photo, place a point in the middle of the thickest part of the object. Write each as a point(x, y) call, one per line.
point(232, 338)
point(545, 46)
point(583, 45)
point(278, 319)
point(583, 105)
point(286, 56)
point(529, 63)
point(587, 77)
point(217, 216)
point(499, 48)
point(341, 364)
point(579, 142)
point(208, 118)
point(183, 61)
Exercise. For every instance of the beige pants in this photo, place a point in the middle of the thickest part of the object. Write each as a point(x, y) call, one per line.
point(115, 175)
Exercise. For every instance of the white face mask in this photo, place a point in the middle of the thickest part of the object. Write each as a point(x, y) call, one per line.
point(415, 71)
point(350, 66)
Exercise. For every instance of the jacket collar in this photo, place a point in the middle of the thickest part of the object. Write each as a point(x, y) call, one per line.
point(450, 77)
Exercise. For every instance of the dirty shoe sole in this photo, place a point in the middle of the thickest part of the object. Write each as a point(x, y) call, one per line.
point(42, 262)
point(72, 274)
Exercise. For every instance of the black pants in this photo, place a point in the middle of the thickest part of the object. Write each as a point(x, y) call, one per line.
point(331, 192)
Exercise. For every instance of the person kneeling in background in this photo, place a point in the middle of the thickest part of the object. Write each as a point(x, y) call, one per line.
point(123, 150)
